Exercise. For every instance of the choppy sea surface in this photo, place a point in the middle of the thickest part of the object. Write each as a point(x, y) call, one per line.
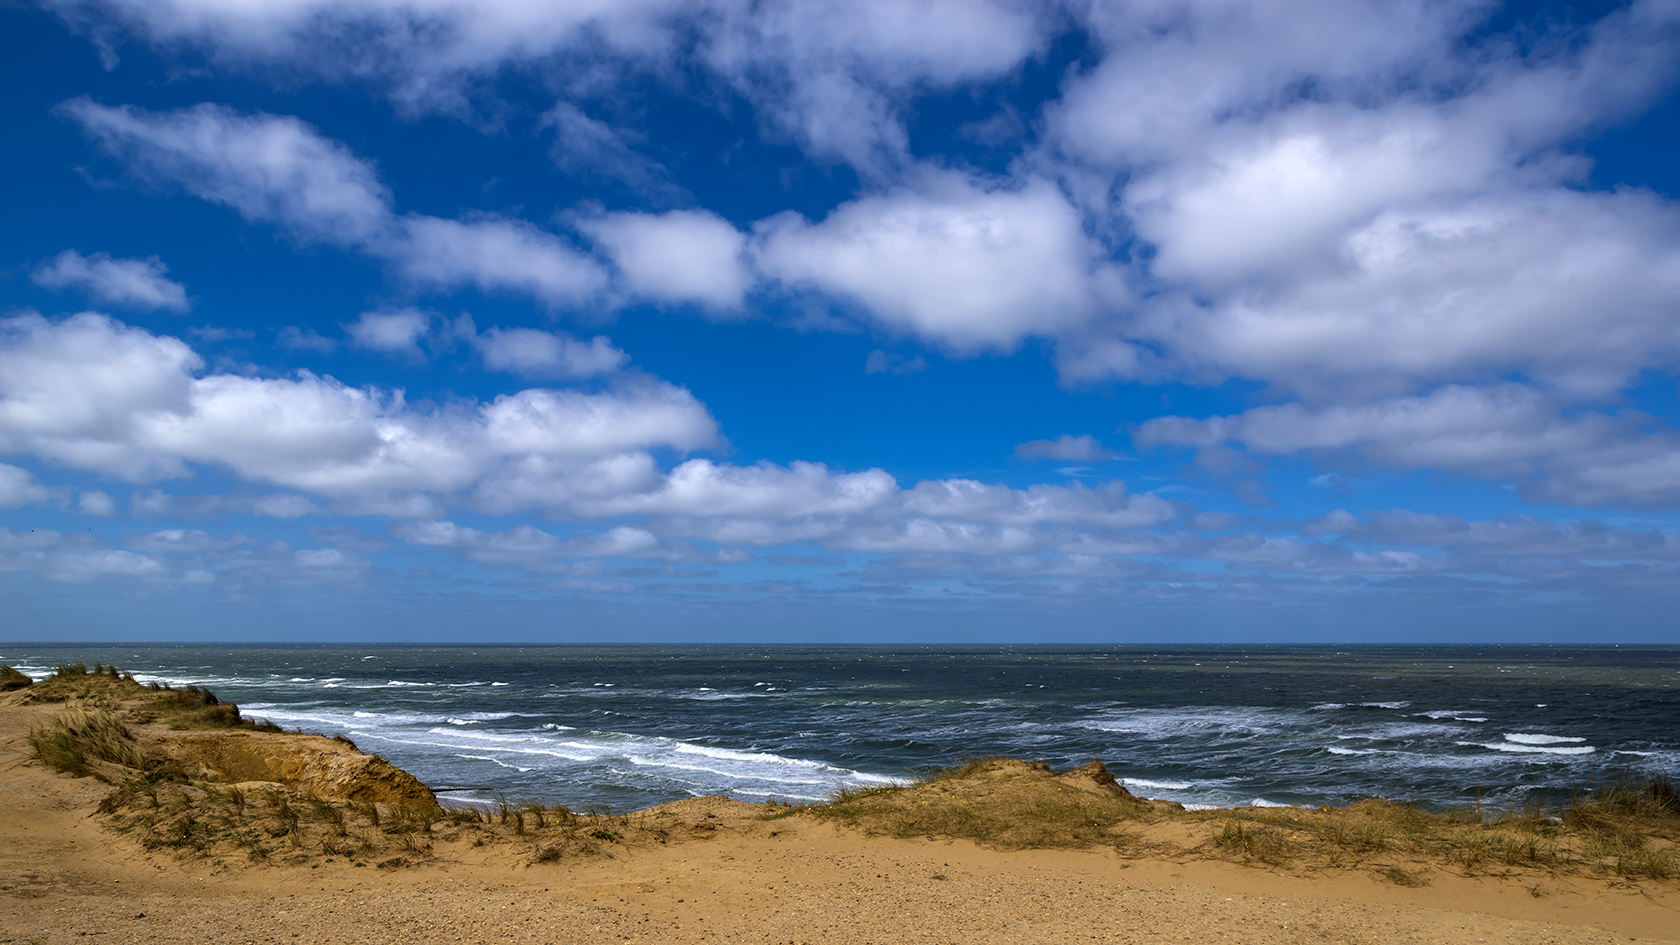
point(623, 727)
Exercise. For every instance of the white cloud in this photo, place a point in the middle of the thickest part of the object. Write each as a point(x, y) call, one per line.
point(138, 283)
point(1514, 536)
point(20, 487)
point(530, 352)
point(1576, 290)
point(75, 392)
point(496, 254)
point(1067, 448)
point(74, 558)
point(963, 266)
point(182, 540)
point(270, 168)
point(679, 256)
point(532, 548)
point(421, 49)
point(395, 332)
point(94, 394)
point(1107, 506)
point(700, 487)
point(95, 502)
point(277, 169)
point(155, 503)
point(1508, 431)
point(829, 74)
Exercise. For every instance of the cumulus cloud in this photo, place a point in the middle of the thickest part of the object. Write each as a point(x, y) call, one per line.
point(91, 393)
point(531, 352)
point(269, 168)
point(95, 502)
point(74, 558)
point(20, 487)
point(1067, 448)
point(495, 254)
point(1378, 211)
point(956, 263)
point(397, 332)
point(182, 540)
point(1499, 432)
point(531, 548)
point(135, 283)
point(680, 256)
point(1576, 290)
point(155, 503)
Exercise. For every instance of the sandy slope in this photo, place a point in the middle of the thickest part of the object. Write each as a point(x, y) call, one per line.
point(65, 878)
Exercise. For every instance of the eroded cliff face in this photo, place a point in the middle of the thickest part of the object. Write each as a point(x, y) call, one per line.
point(310, 763)
point(193, 732)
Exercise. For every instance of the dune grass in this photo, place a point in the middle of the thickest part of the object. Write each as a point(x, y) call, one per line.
point(284, 826)
point(107, 687)
point(12, 679)
point(996, 802)
point(1629, 830)
point(74, 740)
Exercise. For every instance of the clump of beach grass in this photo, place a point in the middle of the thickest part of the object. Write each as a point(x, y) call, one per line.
point(12, 679)
point(76, 739)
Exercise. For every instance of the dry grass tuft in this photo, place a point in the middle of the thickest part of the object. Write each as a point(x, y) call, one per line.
point(75, 739)
point(12, 679)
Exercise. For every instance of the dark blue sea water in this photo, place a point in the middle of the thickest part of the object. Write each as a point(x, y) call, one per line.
point(618, 728)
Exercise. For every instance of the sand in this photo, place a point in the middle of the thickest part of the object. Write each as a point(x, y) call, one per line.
point(66, 877)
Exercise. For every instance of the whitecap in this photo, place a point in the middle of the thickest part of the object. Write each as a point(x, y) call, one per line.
point(1158, 785)
point(1454, 715)
point(499, 684)
point(1335, 750)
point(1524, 738)
point(1531, 749)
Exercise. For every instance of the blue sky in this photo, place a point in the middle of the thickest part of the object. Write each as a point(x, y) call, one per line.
point(812, 321)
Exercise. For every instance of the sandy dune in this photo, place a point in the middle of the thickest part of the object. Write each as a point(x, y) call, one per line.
point(66, 877)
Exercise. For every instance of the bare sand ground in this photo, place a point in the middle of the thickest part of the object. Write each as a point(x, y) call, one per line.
point(65, 877)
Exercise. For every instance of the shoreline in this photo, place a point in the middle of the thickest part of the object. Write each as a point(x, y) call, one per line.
point(712, 869)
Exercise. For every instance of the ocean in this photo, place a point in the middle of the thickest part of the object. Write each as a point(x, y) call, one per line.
point(616, 728)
